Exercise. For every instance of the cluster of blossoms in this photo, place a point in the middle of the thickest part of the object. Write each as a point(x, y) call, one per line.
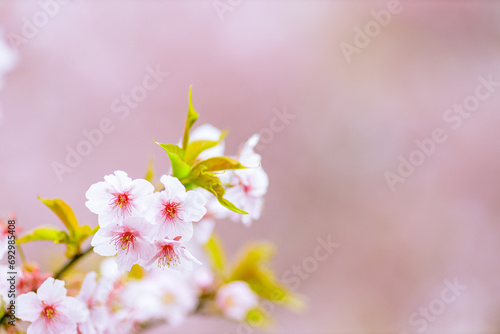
point(149, 274)
point(142, 227)
point(245, 187)
point(113, 304)
point(147, 228)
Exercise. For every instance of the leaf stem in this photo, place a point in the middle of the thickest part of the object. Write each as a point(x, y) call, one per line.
point(21, 253)
point(71, 262)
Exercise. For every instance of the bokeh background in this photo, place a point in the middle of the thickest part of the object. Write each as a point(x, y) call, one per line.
point(352, 121)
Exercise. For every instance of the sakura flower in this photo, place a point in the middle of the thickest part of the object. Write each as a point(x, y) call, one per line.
point(50, 311)
point(173, 254)
point(118, 197)
point(164, 295)
point(203, 278)
point(129, 239)
point(208, 132)
point(93, 297)
point(173, 210)
point(248, 185)
point(236, 299)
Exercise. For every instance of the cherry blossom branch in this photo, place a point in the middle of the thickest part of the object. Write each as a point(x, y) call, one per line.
point(71, 262)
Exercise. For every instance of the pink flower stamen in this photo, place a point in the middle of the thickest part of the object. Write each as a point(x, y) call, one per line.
point(49, 312)
point(122, 202)
point(125, 240)
point(168, 256)
point(170, 211)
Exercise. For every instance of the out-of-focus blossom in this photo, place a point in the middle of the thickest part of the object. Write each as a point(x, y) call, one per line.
point(26, 280)
point(203, 278)
point(164, 295)
point(236, 299)
point(92, 296)
point(30, 279)
point(129, 239)
point(50, 311)
point(248, 186)
point(118, 197)
point(174, 209)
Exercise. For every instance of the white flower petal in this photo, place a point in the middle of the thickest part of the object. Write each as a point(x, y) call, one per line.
point(88, 287)
point(172, 230)
point(173, 186)
point(102, 245)
point(98, 197)
point(193, 208)
point(74, 309)
point(51, 291)
point(141, 188)
point(38, 327)
point(29, 306)
point(119, 180)
point(188, 256)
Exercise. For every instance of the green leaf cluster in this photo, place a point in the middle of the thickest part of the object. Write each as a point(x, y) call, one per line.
point(194, 173)
point(72, 237)
point(252, 266)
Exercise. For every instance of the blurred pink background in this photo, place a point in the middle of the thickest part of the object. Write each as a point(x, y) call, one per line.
point(326, 167)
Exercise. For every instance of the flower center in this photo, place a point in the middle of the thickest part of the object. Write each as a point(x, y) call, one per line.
point(229, 302)
point(168, 298)
point(170, 210)
point(122, 202)
point(49, 312)
point(125, 240)
point(168, 256)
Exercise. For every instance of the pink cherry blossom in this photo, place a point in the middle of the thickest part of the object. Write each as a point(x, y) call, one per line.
point(94, 297)
point(118, 197)
point(173, 210)
point(248, 185)
point(129, 239)
point(203, 278)
point(163, 295)
point(236, 299)
point(50, 311)
point(173, 254)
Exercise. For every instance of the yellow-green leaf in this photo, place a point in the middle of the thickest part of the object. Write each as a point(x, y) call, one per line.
point(213, 184)
point(63, 211)
point(150, 171)
point(82, 233)
point(216, 164)
point(45, 233)
point(180, 168)
point(192, 116)
point(216, 254)
point(253, 267)
point(259, 318)
point(197, 146)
